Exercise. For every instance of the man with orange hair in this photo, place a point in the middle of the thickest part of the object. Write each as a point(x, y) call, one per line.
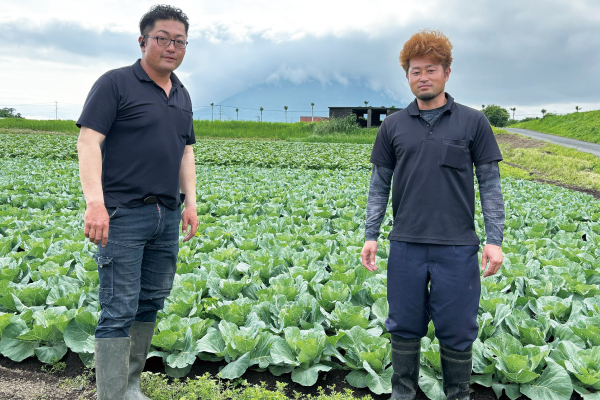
point(429, 150)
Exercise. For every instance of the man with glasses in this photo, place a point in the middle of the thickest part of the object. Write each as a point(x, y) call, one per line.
point(136, 164)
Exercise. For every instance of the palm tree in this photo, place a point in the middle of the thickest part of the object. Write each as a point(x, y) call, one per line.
point(577, 108)
point(312, 115)
point(261, 110)
point(236, 114)
point(212, 106)
point(513, 110)
point(366, 103)
point(543, 113)
point(285, 108)
point(482, 106)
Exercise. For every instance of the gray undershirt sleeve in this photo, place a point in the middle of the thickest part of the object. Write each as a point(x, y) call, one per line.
point(379, 193)
point(492, 204)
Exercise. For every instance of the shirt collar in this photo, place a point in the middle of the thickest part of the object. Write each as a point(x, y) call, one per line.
point(143, 76)
point(413, 108)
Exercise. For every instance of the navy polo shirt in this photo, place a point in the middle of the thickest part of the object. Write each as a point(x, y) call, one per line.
point(433, 194)
point(146, 134)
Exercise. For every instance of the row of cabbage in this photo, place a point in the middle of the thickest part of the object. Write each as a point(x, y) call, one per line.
point(273, 282)
point(267, 154)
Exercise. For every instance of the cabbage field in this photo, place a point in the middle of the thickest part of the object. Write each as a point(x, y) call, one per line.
point(273, 280)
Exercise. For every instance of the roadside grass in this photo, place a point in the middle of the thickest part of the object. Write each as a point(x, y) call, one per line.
point(579, 125)
point(159, 387)
point(550, 162)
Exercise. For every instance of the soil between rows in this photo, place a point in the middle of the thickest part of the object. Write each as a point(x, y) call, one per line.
point(27, 381)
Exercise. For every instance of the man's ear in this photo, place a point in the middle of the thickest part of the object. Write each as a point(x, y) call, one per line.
point(447, 73)
point(142, 41)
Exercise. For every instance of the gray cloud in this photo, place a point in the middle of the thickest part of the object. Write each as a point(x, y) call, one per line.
point(507, 53)
point(56, 38)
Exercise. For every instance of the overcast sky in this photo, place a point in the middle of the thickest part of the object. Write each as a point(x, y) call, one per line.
point(524, 54)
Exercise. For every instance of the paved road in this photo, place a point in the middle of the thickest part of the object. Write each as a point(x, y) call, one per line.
point(586, 147)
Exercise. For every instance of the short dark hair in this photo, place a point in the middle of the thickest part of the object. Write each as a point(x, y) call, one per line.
point(162, 12)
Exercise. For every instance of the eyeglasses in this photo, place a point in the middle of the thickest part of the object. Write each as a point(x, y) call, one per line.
point(165, 41)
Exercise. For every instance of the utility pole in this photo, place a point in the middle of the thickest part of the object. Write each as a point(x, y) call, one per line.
point(312, 114)
point(237, 116)
point(212, 108)
point(285, 108)
point(56, 110)
point(220, 112)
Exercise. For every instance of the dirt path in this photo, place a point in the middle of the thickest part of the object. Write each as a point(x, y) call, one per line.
point(592, 148)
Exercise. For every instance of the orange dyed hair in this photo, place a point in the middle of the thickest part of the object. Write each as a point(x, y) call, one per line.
point(426, 43)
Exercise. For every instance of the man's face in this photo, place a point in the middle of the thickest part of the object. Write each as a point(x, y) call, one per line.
point(164, 59)
point(426, 79)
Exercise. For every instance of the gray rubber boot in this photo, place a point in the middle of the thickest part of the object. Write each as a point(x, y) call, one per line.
point(141, 337)
point(456, 372)
point(406, 355)
point(112, 365)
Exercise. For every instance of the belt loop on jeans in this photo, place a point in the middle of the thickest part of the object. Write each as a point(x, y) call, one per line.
point(151, 200)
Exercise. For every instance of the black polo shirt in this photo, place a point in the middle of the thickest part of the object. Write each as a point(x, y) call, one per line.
point(433, 194)
point(146, 134)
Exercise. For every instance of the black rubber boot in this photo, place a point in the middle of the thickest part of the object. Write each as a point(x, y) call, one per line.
point(406, 355)
point(456, 372)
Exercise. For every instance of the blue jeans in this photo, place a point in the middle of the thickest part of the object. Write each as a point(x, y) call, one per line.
point(452, 300)
point(136, 267)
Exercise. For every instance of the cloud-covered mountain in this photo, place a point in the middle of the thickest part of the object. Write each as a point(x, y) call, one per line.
point(298, 97)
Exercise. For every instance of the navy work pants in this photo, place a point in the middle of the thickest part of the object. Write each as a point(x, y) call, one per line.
point(451, 301)
point(137, 266)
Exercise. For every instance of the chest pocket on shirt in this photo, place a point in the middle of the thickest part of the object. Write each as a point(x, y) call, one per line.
point(186, 118)
point(455, 154)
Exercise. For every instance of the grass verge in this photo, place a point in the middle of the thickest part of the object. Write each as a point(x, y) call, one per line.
point(526, 158)
point(579, 125)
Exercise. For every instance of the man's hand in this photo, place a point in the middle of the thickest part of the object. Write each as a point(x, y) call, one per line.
point(367, 255)
point(189, 217)
point(493, 254)
point(96, 223)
